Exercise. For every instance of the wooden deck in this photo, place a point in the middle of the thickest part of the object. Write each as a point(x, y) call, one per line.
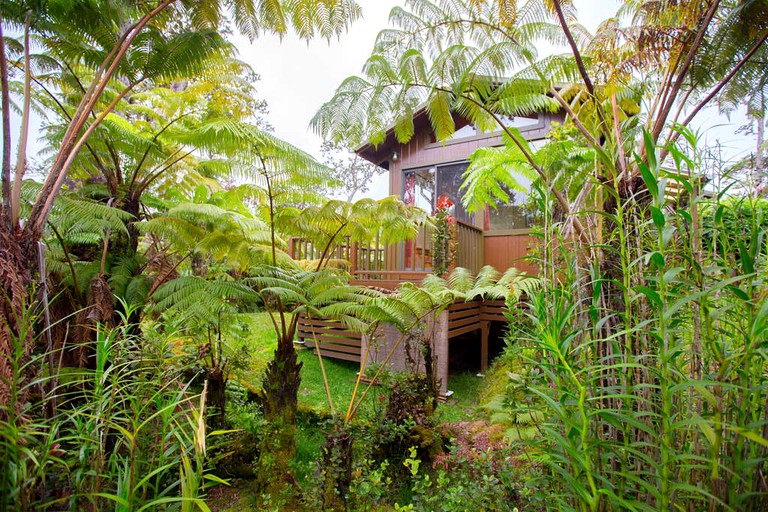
point(386, 266)
point(335, 341)
point(465, 317)
point(459, 319)
point(332, 338)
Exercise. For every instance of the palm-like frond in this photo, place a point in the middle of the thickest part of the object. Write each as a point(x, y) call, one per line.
point(127, 280)
point(78, 215)
point(228, 236)
point(202, 299)
point(492, 174)
point(389, 220)
point(449, 56)
point(412, 303)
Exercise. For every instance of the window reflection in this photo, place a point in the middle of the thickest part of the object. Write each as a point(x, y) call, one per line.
point(513, 215)
point(422, 187)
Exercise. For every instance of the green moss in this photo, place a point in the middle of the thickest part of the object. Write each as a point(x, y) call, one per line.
point(495, 382)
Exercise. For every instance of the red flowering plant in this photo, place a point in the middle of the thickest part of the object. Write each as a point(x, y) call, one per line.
point(444, 236)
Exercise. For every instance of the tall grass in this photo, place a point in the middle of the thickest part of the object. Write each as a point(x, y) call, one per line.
point(652, 348)
point(128, 436)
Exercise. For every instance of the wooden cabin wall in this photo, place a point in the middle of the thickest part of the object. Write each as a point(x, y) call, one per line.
point(501, 249)
point(504, 251)
point(420, 152)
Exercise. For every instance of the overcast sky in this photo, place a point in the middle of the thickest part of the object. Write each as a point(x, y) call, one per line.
point(296, 77)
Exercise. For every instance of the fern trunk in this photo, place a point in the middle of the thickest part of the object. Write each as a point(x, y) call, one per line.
point(16, 281)
point(217, 398)
point(337, 467)
point(279, 404)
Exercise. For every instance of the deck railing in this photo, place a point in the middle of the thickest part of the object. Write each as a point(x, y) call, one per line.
point(390, 264)
point(469, 247)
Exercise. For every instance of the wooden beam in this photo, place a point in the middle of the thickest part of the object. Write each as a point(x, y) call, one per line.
point(485, 328)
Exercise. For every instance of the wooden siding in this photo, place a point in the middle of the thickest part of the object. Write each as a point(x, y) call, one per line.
point(421, 152)
point(504, 251)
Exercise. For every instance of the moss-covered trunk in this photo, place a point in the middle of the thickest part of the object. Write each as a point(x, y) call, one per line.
point(337, 467)
point(279, 404)
point(217, 398)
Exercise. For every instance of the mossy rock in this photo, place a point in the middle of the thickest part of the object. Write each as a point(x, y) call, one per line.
point(429, 442)
point(308, 414)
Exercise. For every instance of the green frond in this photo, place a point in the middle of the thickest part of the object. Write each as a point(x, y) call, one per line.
point(439, 112)
point(318, 293)
point(492, 174)
point(226, 235)
point(392, 310)
point(270, 14)
point(86, 222)
point(184, 55)
point(326, 19)
point(117, 129)
point(127, 281)
point(461, 280)
point(176, 230)
point(195, 297)
point(518, 283)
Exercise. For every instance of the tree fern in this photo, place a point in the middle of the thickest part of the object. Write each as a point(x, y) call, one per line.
point(202, 300)
point(232, 238)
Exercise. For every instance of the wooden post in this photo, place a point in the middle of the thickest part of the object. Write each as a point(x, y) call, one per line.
point(485, 329)
point(353, 259)
point(292, 248)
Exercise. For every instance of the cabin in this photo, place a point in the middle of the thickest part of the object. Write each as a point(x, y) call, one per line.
point(420, 171)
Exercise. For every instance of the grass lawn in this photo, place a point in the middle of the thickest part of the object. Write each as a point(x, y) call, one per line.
point(258, 345)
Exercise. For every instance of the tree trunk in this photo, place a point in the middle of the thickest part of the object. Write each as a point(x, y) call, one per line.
point(217, 398)
point(16, 333)
point(337, 467)
point(279, 404)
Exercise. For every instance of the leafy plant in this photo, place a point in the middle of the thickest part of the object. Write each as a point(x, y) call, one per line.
point(127, 435)
point(444, 237)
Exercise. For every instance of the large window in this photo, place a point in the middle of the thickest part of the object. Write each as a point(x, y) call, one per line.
point(513, 215)
point(422, 187)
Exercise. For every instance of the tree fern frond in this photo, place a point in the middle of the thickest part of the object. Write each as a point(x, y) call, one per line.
point(192, 296)
point(492, 174)
point(439, 112)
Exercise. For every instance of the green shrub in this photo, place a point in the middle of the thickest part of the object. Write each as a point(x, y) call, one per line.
point(127, 435)
point(651, 349)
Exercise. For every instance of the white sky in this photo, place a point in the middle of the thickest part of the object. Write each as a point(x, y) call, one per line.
point(296, 77)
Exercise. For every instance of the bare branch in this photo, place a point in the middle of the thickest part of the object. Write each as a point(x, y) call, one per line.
point(21, 159)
